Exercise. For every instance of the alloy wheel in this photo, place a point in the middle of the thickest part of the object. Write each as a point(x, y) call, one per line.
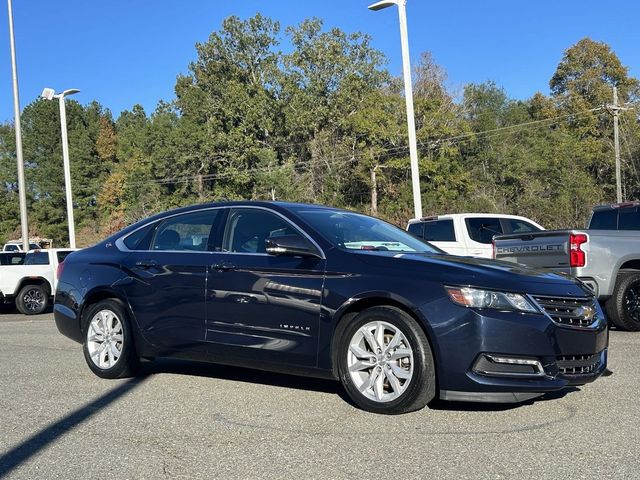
point(33, 299)
point(632, 301)
point(105, 338)
point(380, 361)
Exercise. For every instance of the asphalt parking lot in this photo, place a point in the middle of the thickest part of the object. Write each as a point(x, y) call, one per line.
point(187, 420)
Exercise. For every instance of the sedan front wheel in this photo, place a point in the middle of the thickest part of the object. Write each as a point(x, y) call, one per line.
point(385, 362)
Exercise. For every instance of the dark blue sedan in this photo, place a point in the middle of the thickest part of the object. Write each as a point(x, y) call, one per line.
point(319, 291)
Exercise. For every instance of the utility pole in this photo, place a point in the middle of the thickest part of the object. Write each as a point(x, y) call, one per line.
point(616, 142)
point(22, 188)
point(615, 110)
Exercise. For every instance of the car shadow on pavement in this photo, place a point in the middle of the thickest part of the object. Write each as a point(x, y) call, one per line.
point(240, 374)
point(33, 445)
point(438, 404)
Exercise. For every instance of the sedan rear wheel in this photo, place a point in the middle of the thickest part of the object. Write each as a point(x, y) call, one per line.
point(105, 339)
point(108, 344)
point(385, 362)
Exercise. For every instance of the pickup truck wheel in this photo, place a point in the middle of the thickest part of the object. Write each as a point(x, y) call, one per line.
point(108, 345)
point(623, 308)
point(385, 362)
point(32, 299)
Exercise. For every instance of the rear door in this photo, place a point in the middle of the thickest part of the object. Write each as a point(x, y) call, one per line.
point(11, 271)
point(439, 232)
point(261, 306)
point(480, 233)
point(168, 276)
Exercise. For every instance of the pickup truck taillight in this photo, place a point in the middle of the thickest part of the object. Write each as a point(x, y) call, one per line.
point(577, 256)
point(493, 248)
point(59, 270)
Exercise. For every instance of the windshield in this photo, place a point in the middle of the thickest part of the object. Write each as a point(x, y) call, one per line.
point(360, 232)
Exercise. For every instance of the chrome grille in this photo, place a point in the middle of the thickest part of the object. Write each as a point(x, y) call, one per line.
point(578, 364)
point(569, 311)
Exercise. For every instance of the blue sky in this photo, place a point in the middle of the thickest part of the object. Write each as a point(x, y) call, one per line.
point(122, 52)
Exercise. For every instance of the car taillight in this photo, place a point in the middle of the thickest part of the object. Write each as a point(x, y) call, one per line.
point(59, 270)
point(577, 256)
point(493, 248)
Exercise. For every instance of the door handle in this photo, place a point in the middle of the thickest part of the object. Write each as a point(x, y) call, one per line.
point(146, 264)
point(223, 267)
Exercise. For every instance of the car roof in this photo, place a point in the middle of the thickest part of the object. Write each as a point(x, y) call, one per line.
point(467, 215)
point(274, 205)
point(35, 250)
point(615, 206)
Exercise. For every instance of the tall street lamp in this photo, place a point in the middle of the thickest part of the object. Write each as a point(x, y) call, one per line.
point(408, 94)
point(22, 189)
point(50, 94)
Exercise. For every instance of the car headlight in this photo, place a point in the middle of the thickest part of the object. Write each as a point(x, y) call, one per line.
point(477, 298)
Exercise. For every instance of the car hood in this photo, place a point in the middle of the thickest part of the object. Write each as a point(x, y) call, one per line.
point(479, 272)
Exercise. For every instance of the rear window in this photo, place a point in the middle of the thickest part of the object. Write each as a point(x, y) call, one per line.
point(628, 219)
point(520, 226)
point(483, 229)
point(439, 231)
point(604, 220)
point(62, 255)
point(36, 258)
point(416, 229)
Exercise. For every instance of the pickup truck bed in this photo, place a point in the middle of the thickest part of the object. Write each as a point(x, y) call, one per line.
point(606, 260)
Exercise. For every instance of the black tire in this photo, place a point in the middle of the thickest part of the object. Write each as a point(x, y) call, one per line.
point(128, 363)
point(623, 308)
point(32, 299)
point(421, 388)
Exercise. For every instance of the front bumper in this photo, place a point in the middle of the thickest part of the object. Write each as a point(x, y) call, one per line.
point(465, 338)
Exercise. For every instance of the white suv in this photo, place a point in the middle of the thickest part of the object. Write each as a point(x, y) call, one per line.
point(16, 246)
point(469, 234)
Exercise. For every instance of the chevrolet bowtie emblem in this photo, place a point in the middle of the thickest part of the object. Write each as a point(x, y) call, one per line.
point(588, 313)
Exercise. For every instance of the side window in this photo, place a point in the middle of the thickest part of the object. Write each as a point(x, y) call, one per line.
point(11, 248)
point(37, 258)
point(188, 232)
point(604, 220)
point(140, 239)
point(248, 228)
point(439, 231)
point(520, 226)
point(416, 229)
point(483, 229)
point(629, 219)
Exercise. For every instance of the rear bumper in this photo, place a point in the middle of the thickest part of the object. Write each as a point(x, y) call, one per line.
point(67, 322)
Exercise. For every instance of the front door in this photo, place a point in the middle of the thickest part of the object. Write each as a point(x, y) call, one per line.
point(168, 278)
point(261, 306)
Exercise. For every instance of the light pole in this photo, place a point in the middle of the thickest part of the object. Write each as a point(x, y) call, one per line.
point(22, 189)
point(50, 94)
point(408, 94)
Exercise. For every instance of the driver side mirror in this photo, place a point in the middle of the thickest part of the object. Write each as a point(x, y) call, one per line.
point(293, 245)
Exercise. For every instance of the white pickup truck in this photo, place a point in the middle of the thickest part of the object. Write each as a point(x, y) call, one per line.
point(29, 279)
point(469, 234)
point(605, 256)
